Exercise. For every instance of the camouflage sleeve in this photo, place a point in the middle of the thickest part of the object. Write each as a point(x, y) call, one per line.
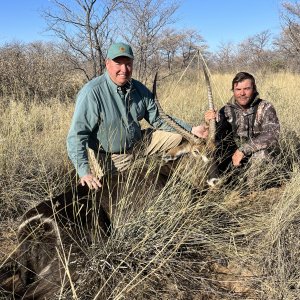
point(269, 133)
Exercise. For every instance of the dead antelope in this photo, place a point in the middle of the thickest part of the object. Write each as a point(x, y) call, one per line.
point(197, 147)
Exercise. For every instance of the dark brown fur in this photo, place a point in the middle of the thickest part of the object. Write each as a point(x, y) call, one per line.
point(61, 225)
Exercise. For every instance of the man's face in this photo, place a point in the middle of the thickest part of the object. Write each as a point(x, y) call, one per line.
point(119, 69)
point(243, 92)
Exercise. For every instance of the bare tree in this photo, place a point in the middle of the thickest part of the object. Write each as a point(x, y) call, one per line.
point(145, 21)
point(83, 27)
point(224, 58)
point(254, 52)
point(288, 43)
point(190, 42)
point(291, 18)
point(169, 44)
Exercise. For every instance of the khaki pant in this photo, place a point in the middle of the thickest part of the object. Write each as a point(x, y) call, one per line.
point(153, 141)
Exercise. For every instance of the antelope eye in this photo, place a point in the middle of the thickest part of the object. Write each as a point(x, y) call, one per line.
point(196, 152)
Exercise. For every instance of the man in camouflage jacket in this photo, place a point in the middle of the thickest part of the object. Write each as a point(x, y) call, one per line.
point(247, 126)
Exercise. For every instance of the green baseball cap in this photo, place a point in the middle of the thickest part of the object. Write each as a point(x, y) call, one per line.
point(119, 49)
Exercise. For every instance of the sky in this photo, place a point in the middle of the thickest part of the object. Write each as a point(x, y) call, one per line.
point(222, 21)
point(218, 21)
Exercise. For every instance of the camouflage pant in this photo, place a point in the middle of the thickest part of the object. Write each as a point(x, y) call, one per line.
point(258, 168)
point(153, 141)
point(259, 160)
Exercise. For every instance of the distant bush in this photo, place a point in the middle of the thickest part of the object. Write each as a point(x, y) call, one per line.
point(36, 72)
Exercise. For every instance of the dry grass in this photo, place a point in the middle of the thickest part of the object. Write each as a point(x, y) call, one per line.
point(181, 245)
point(32, 151)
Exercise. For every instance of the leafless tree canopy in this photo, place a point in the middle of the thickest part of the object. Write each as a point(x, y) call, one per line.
point(255, 51)
point(288, 43)
point(145, 21)
point(84, 28)
point(292, 26)
point(225, 57)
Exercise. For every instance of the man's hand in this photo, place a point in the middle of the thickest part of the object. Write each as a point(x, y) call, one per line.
point(92, 181)
point(210, 115)
point(200, 131)
point(237, 157)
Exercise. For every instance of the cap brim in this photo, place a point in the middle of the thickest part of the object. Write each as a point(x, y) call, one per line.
point(120, 55)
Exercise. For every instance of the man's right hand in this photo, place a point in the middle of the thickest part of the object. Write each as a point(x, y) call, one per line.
point(92, 181)
point(237, 157)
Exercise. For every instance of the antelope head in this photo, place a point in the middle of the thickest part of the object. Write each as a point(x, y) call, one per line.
point(193, 145)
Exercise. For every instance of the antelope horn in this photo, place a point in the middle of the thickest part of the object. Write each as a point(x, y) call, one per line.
point(212, 123)
point(186, 134)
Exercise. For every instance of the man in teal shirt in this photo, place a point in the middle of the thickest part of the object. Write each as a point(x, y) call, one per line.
point(106, 119)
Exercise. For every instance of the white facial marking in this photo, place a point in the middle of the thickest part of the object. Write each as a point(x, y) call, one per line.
point(204, 158)
point(212, 182)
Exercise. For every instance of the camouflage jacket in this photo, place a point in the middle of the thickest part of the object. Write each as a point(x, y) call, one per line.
point(254, 129)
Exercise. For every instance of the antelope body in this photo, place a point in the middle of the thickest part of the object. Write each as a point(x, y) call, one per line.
point(39, 269)
point(36, 270)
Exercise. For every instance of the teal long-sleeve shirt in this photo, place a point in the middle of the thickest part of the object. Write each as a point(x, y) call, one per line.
point(105, 117)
